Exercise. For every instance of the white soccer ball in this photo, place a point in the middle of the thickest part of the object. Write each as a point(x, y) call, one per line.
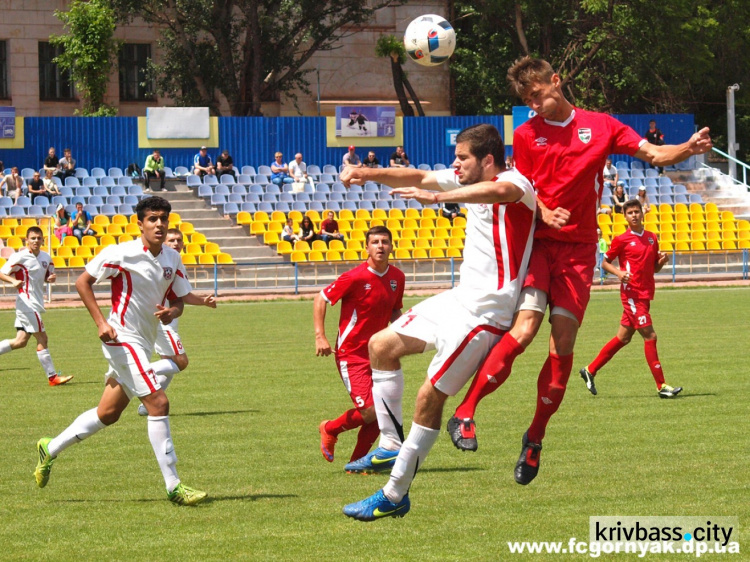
point(429, 40)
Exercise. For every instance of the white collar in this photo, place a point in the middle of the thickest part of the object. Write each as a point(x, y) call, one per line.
point(562, 123)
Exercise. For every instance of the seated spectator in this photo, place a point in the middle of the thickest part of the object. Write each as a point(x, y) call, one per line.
point(52, 162)
point(288, 232)
point(509, 162)
point(49, 184)
point(451, 210)
point(610, 173)
point(399, 159)
point(298, 169)
point(12, 184)
point(154, 168)
point(351, 158)
point(643, 198)
point(307, 231)
point(280, 171)
point(36, 187)
point(618, 197)
point(202, 163)
point(371, 161)
point(82, 223)
point(67, 165)
point(329, 229)
point(225, 165)
point(62, 221)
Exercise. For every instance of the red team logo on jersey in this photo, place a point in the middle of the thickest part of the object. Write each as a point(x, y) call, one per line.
point(167, 273)
point(584, 135)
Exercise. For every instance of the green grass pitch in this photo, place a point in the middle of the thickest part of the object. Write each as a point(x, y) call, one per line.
point(244, 421)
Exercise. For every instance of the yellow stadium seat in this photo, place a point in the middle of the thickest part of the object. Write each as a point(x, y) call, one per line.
point(419, 253)
point(398, 214)
point(347, 215)
point(664, 208)
point(333, 255)
point(405, 244)
point(275, 226)
point(402, 254)
point(336, 245)
point(5, 232)
point(359, 224)
point(133, 219)
point(212, 248)
point(314, 215)
point(697, 246)
point(133, 230)
point(186, 228)
point(682, 247)
point(424, 233)
point(358, 235)
point(439, 243)
point(375, 222)
point(21, 230)
point(727, 215)
point(258, 228)
point(428, 213)
point(120, 219)
point(270, 238)
point(188, 259)
point(743, 244)
point(607, 228)
point(243, 217)
point(459, 222)
point(284, 248)
point(107, 240)
point(54, 242)
point(84, 252)
point(301, 246)
point(453, 253)
point(319, 245)
point(605, 219)
point(70, 242)
point(16, 243)
point(59, 262)
point(422, 243)
point(76, 261)
point(193, 249)
point(665, 247)
point(437, 253)
point(315, 255)
point(98, 229)
point(696, 207)
point(713, 216)
point(224, 259)
point(408, 234)
point(408, 214)
point(296, 216)
point(102, 220)
point(713, 245)
point(379, 214)
point(355, 245)
point(617, 218)
point(427, 223)
point(345, 225)
point(729, 245)
point(682, 227)
point(411, 224)
point(261, 216)
point(277, 216)
point(174, 219)
point(351, 255)
point(713, 235)
point(618, 229)
point(198, 238)
point(298, 256)
point(680, 208)
point(456, 243)
point(10, 222)
point(98, 249)
point(743, 235)
point(728, 235)
point(394, 225)
point(441, 233)
point(442, 222)
point(65, 252)
point(113, 229)
point(457, 232)
point(682, 236)
point(206, 259)
point(124, 238)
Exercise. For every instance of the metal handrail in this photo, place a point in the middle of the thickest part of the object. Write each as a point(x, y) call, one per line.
point(745, 167)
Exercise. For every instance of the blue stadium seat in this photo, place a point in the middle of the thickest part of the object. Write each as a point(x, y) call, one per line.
point(665, 180)
point(270, 198)
point(621, 165)
point(695, 198)
point(57, 181)
point(636, 165)
point(384, 196)
point(181, 171)
point(118, 190)
point(316, 206)
point(23, 201)
point(681, 198)
point(98, 172)
point(42, 201)
point(58, 200)
point(637, 174)
point(75, 200)
point(283, 206)
point(313, 170)
point(338, 187)
point(130, 200)
point(679, 189)
point(302, 197)
point(352, 196)
point(336, 196)
point(193, 180)
point(264, 170)
point(385, 205)
point(113, 200)
point(355, 189)
point(6, 202)
point(272, 188)
point(221, 189)
point(126, 210)
point(623, 174)
point(371, 186)
point(252, 198)
point(437, 167)
point(266, 207)
point(115, 172)
point(90, 183)
point(210, 180)
point(330, 169)
point(16, 211)
point(249, 207)
point(651, 182)
point(27, 173)
point(231, 209)
point(322, 188)
point(136, 190)
point(91, 209)
point(235, 198)
point(326, 178)
point(49, 211)
point(665, 200)
point(239, 189)
point(651, 173)
point(72, 182)
point(665, 190)
point(366, 205)
point(35, 211)
point(106, 181)
point(125, 181)
point(245, 179)
point(82, 173)
point(334, 206)
point(168, 173)
point(256, 188)
point(108, 210)
point(83, 191)
point(286, 197)
point(261, 179)
point(228, 179)
point(320, 196)
point(414, 204)
point(96, 200)
point(652, 192)
point(350, 205)
point(636, 182)
point(299, 206)
point(218, 200)
point(248, 171)
point(425, 167)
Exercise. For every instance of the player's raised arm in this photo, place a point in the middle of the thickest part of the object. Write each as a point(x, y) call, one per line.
point(322, 346)
point(668, 154)
point(394, 177)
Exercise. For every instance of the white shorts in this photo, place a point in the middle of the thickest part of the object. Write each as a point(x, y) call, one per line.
point(29, 322)
point(461, 339)
point(129, 365)
point(168, 341)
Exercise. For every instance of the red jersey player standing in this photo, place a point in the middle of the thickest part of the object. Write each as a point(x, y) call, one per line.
point(562, 150)
point(371, 297)
point(637, 251)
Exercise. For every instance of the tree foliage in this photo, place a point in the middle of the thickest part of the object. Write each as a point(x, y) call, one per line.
point(392, 48)
point(620, 56)
point(243, 51)
point(89, 49)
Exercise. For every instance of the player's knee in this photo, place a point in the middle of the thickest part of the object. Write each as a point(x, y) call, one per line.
point(108, 415)
point(525, 329)
point(181, 361)
point(368, 414)
point(20, 341)
point(378, 347)
point(625, 340)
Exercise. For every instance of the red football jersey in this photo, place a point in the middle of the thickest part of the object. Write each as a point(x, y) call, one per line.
point(367, 301)
point(565, 162)
point(637, 254)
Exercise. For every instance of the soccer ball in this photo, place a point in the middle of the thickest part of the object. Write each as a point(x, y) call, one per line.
point(429, 40)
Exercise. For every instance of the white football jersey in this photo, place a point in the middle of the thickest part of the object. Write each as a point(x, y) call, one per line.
point(496, 249)
point(140, 282)
point(32, 270)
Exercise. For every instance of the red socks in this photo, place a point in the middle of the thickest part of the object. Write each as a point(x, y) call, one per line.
point(608, 352)
point(346, 421)
point(652, 358)
point(493, 372)
point(367, 435)
point(551, 385)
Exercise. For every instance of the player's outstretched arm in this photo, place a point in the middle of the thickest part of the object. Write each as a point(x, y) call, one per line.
point(196, 300)
point(322, 346)
point(483, 192)
point(84, 286)
point(12, 280)
point(668, 154)
point(395, 177)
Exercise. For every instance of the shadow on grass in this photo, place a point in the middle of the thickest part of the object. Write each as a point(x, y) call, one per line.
point(452, 469)
point(681, 396)
point(251, 497)
point(217, 413)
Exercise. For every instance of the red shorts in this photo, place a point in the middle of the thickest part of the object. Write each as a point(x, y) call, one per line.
point(635, 312)
point(565, 271)
point(356, 374)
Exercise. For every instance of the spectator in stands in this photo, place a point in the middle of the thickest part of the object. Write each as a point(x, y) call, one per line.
point(643, 198)
point(225, 165)
point(280, 171)
point(52, 162)
point(36, 187)
point(329, 229)
point(67, 165)
point(62, 221)
point(371, 161)
point(82, 223)
point(298, 169)
point(154, 168)
point(601, 250)
point(509, 162)
point(12, 184)
point(610, 174)
point(307, 230)
point(202, 163)
point(288, 233)
point(618, 197)
point(49, 184)
point(399, 159)
point(351, 158)
point(655, 136)
point(452, 210)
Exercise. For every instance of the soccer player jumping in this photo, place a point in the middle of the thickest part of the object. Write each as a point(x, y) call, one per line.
point(637, 251)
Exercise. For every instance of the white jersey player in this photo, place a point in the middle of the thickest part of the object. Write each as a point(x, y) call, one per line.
point(28, 270)
point(168, 343)
point(462, 324)
point(142, 274)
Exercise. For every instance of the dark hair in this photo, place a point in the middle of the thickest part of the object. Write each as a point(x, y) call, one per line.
point(631, 203)
point(527, 71)
point(175, 231)
point(152, 204)
point(306, 218)
point(484, 139)
point(378, 230)
point(36, 230)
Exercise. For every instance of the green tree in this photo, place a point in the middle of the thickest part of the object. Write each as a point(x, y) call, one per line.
point(393, 49)
point(89, 49)
point(244, 51)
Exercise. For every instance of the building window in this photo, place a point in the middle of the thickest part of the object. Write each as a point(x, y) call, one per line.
point(4, 89)
point(134, 84)
point(54, 82)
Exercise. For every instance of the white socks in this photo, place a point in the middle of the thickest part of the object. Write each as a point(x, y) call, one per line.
point(5, 347)
point(409, 460)
point(161, 441)
point(46, 360)
point(387, 393)
point(165, 369)
point(82, 427)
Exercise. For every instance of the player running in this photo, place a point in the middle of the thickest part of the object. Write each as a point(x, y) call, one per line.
point(168, 343)
point(461, 324)
point(371, 296)
point(142, 272)
point(562, 150)
point(28, 270)
point(637, 251)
